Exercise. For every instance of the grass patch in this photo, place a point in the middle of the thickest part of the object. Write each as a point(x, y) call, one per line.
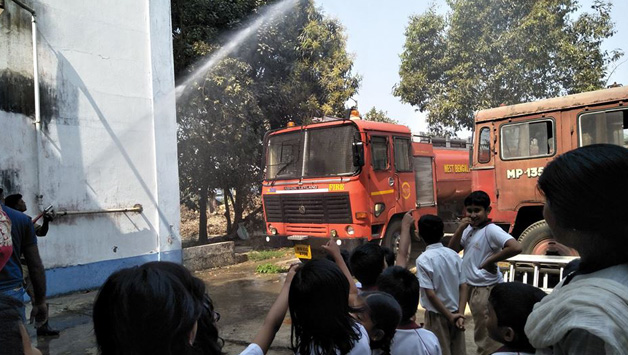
point(266, 254)
point(269, 268)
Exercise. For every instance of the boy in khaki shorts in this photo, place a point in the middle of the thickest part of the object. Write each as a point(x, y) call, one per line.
point(443, 287)
point(484, 245)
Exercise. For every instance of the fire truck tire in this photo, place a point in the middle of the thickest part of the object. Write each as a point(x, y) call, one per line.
point(538, 239)
point(393, 233)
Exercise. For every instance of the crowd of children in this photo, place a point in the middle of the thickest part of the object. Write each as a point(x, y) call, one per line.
point(160, 308)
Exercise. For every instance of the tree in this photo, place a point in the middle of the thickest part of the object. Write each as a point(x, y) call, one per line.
point(291, 69)
point(378, 116)
point(488, 53)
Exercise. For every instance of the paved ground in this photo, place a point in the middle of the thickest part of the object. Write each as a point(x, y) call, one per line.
point(241, 296)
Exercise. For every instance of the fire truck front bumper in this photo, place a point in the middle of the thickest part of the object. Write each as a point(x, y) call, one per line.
point(309, 247)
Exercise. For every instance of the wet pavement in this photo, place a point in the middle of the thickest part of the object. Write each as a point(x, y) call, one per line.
point(240, 295)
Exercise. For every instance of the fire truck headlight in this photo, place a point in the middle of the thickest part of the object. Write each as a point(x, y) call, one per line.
point(379, 208)
point(350, 230)
point(272, 229)
point(334, 233)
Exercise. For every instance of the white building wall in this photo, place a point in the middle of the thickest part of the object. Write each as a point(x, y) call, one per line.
point(109, 133)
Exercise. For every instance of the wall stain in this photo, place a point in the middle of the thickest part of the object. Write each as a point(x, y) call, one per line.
point(9, 181)
point(17, 96)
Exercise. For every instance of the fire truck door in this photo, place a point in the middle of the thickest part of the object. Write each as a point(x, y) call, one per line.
point(402, 149)
point(381, 180)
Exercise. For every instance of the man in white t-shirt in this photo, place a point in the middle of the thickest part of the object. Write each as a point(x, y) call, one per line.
point(484, 245)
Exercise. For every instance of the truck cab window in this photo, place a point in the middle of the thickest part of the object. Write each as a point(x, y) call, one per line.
point(604, 127)
point(527, 140)
point(402, 154)
point(379, 153)
point(284, 156)
point(484, 151)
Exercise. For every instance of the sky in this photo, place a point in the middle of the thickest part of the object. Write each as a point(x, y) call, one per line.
point(375, 35)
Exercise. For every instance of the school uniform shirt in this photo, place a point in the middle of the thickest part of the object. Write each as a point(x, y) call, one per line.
point(479, 244)
point(252, 349)
point(440, 269)
point(415, 342)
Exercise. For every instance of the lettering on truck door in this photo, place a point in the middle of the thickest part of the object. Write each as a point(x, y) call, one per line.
point(525, 147)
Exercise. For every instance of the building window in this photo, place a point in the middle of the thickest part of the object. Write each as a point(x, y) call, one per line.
point(527, 140)
point(379, 153)
point(604, 127)
point(402, 154)
point(484, 146)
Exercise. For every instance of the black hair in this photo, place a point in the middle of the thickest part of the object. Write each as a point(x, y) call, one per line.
point(431, 228)
point(404, 287)
point(367, 262)
point(344, 253)
point(207, 340)
point(478, 198)
point(389, 256)
point(10, 320)
point(12, 200)
point(513, 302)
point(585, 190)
point(320, 311)
point(385, 313)
point(145, 310)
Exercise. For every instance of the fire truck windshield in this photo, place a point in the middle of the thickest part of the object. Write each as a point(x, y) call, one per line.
point(317, 152)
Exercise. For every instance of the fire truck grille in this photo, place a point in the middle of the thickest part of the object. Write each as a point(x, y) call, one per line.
point(301, 229)
point(308, 208)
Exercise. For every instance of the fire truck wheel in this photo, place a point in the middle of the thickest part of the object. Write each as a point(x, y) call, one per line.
point(537, 239)
point(393, 233)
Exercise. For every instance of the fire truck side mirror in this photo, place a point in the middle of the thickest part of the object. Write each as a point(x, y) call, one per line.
point(358, 153)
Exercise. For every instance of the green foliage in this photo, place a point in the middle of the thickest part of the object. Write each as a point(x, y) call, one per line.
point(378, 116)
point(266, 254)
point(269, 268)
point(487, 53)
point(291, 69)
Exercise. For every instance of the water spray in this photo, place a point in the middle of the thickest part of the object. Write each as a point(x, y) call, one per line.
point(267, 14)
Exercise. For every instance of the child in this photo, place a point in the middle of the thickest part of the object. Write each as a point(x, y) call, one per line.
point(320, 310)
point(380, 317)
point(484, 245)
point(160, 308)
point(410, 338)
point(389, 256)
point(366, 262)
point(586, 208)
point(509, 306)
point(443, 287)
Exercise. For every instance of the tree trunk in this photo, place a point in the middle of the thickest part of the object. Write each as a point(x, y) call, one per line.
point(227, 194)
point(202, 221)
point(252, 214)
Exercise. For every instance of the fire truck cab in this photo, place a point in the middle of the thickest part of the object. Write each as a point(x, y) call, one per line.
point(514, 143)
point(340, 178)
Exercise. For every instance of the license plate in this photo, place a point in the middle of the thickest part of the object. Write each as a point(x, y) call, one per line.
point(303, 251)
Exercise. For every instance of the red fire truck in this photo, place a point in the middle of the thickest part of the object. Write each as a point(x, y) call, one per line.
point(353, 180)
point(514, 143)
